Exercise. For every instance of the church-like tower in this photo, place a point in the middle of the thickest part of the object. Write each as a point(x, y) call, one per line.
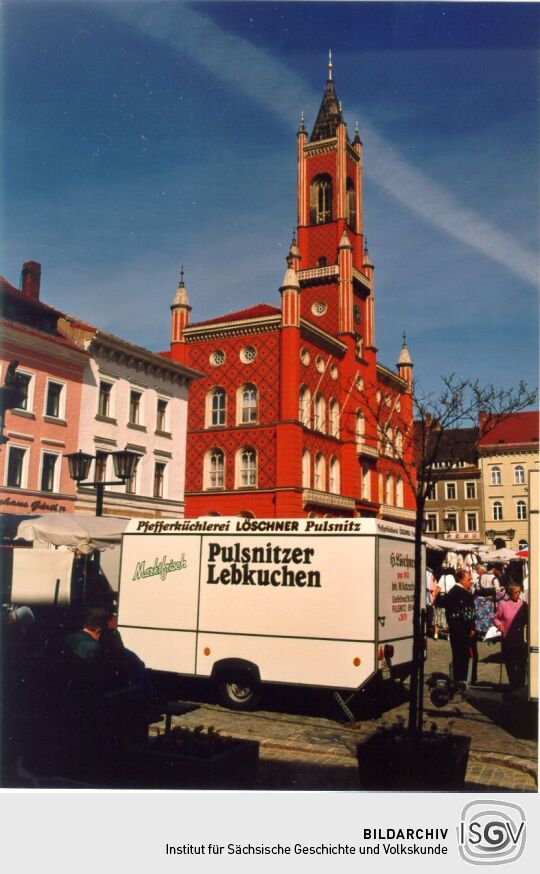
point(295, 416)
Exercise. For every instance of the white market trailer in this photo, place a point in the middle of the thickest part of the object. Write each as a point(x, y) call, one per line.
point(318, 602)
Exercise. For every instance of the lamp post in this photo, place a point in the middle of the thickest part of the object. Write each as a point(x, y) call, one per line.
point(124, 463)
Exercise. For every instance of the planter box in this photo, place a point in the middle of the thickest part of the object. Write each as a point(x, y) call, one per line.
point(432, 762)
point(234, 767)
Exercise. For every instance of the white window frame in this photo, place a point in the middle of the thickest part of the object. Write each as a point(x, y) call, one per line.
point(432, 492)
point(468, 515)
point(360, 428)
point(140, 406)
point(243, 410)
point(521, 510)
point(334, 476)
point(61, 401)
point(389, 493)
point(473, 496)
point(447, 487)
point(497, 511)
point(30, 392)
point(399, 492)
point(164, 478)
point(495, 476)
point(333, 417)
point(432, 517)
point(110, 414)
point(453, 515)
point(319, 411)
point(165, 401)
point(319, 478)
point(209, 472)
point(250, 472)
point(56, 474)
point(24, 466)
point(304, 406)
point(366, 482)
point(306, 470)
point(519, 475)
point(214, 392)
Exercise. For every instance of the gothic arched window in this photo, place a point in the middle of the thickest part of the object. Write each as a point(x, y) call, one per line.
point(246, 468)
point(214, 469)
point(247, 405)
point(320, 200)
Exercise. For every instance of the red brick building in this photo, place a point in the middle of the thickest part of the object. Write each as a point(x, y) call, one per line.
point(295, 416)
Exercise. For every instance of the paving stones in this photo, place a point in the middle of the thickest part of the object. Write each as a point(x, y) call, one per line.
point(300, 751)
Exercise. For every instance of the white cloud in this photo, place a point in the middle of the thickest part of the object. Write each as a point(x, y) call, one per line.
point(269, 83)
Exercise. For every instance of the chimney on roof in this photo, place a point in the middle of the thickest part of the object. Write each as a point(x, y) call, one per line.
point(31, 279)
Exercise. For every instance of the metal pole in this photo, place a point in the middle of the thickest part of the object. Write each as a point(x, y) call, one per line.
point(100, 488)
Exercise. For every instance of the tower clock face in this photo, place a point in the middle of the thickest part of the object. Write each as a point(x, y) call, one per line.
point(356, 313)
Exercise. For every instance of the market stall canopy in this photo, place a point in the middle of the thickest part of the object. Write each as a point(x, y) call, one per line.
point(449, 545)
point(499, 555)
point(84, 533)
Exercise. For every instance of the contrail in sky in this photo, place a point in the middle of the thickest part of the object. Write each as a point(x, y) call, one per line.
point(256, 73)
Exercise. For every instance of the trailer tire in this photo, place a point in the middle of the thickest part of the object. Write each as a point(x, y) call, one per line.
point(239, 693)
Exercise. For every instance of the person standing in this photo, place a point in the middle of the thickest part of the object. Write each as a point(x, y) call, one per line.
point(484, 600)
point(511, 619)
point(460, 616)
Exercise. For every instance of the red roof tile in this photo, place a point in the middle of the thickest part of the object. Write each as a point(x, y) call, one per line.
point(256, 312)
point(516, 428)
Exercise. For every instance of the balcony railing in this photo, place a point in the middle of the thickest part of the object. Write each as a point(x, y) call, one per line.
point(327, 499)
point(364, 449)
point(362, 278)
point(319, 272)
point(388, 511)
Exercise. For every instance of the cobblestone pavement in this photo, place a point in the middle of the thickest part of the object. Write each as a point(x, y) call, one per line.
point(307, 744)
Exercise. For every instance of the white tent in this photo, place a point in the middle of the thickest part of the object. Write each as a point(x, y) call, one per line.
point(84, 533)
point(449, 545)
point(502, 555)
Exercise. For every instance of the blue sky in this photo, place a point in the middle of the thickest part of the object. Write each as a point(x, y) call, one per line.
point(137, 136)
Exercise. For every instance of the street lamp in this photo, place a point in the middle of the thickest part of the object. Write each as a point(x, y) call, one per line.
point(124, 463)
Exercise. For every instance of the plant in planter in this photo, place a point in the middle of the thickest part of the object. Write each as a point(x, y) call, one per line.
point(395, 759)
point(197, 758)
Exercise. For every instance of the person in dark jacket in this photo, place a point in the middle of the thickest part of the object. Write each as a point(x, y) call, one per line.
point(460, 616)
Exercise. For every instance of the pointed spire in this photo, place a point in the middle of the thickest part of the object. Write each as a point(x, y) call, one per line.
point(294, 251)
point(302, 128)
point(345, 243)
point(181, 297)
point(366, 261)
point(404, 355)
point(356, 134)
point(330, 65)
point(329, 115)
point(290, 280)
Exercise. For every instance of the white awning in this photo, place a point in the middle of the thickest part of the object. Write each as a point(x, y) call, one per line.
point(449, 545)
point(84, 533)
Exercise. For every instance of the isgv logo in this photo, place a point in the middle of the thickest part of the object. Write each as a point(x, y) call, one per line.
point(491, 832)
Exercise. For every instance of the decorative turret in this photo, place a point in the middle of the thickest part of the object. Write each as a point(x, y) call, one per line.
point(405, 365)
point(290, 290)
point(180, 309)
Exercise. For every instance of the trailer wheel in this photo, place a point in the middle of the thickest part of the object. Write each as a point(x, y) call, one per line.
point(239, 693)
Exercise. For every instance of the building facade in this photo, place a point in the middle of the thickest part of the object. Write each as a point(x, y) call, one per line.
point(294, 415)
point(87, 390)
point(507, 454)
point(137, 400)
point(454, 507)
point(33, 478)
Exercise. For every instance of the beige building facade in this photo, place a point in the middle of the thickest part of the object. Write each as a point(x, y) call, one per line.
point(507, 454)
